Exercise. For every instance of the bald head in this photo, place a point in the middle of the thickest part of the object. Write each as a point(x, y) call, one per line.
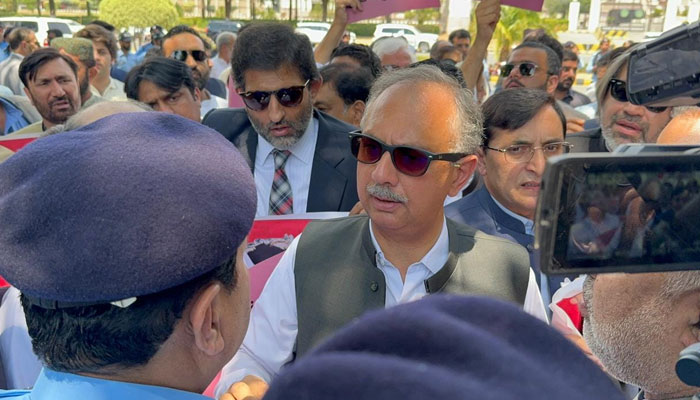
point(682, 129)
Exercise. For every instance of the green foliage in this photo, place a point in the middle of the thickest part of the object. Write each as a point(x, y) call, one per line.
point(268, 13)
point(180, 11)
point(138, 13)
point(197, 22)
point(362, 29)
point(423, 15)
point(512, 25)
point(428, 29)
point(555, 7)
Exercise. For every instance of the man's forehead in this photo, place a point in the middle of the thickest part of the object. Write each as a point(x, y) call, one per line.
point(183, 41)
point(274, 79)
point(54, 68)
point(528, 54)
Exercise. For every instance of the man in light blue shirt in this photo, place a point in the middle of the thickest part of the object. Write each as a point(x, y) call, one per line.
point(12, 117)
point(125, 295)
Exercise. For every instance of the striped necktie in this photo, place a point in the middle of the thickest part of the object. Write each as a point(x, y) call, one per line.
point(281, 201)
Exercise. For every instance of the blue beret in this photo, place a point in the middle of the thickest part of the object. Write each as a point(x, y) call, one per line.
point(445, 347)
point(129, 205)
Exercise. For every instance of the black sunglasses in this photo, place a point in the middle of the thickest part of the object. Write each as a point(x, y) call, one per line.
point(407, 160)
point(525, 69)
point(288, 97)
point(181, 55)
point(618, 91)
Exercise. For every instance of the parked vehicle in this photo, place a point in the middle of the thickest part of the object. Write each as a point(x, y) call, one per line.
point(316, 31)
point(217, 26)
point(419, 40)
point(42, 24)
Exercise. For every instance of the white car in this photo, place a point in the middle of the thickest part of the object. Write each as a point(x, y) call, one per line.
point(316, 31)
point(419, 40)
point(42, 24)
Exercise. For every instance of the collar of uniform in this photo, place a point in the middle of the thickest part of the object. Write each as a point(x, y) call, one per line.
point(59, 385)
point(434, 259)
point(528, 223)
point(303, 150)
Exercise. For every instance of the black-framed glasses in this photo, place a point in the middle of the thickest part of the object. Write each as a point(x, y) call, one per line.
point(407, 160)
point(523, 153)
point(181, 55)
point(287, 97)
point(525, 69)
point(618, 91)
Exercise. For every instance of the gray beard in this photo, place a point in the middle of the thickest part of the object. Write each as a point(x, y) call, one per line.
point(298, 128)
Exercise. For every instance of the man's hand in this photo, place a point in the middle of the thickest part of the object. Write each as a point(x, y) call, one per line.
point(250, 388)
point(341, 13)
point(574, 125)
point(488, 13)
point(357, 209)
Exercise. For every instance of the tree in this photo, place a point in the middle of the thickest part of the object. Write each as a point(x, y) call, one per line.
point(422, 15)
point(138, 13)
point(561, 7)
point(227, 9)
point(512, 25)
point(324, 7)
point(52, 8)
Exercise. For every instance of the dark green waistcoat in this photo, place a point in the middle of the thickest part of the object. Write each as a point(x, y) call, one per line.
point(337, 278)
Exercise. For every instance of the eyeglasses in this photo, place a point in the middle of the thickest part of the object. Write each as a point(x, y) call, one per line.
point(522, 153)
point(525, 69)
point(618, 91)
point(407, 160)
point(181, 55)
point(288, 97)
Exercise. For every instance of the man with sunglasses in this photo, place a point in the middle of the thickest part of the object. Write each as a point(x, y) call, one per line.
point(620, 121)
point(416, 146)
point(184, 44)
point(522, 128)
point(532, 65)
point(299, 156)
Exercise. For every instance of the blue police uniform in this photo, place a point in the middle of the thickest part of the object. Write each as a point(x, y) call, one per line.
point(53, 385)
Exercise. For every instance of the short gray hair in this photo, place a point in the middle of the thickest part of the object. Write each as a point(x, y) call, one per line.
point(679, 283)
point(391, 45)
point(469, 121)
point(225, 38)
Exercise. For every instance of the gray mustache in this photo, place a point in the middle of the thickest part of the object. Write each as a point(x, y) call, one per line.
point(384, 193)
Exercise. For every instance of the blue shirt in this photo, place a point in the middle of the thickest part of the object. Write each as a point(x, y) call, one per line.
point(14, 118)
point(126, 61)
point(4, 51)
point(52, 385)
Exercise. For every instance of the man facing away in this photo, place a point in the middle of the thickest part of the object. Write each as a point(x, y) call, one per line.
point(167, 284)
point(299, 156)
point(417, 144)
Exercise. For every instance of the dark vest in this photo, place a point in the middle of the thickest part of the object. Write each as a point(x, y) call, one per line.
point(337, 279)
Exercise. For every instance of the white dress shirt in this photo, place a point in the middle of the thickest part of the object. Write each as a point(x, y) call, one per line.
point(273, 327)
point(114, 91)
point(297, 168)
point(218, 66)
point(212, 103)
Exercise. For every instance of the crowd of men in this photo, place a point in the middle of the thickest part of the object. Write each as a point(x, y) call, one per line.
point(124, 225)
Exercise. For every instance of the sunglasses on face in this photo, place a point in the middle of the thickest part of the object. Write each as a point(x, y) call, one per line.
point(407, 160)
point(618, 91)
point(525, 69)
point(181, 55)
point(287, 97)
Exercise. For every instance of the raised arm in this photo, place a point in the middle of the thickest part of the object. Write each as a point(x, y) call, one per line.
point(488, 12)
point(323, 51)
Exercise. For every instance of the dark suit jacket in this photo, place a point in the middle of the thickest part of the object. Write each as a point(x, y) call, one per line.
point(480, 211)
point(590, 141)
point(333, 184)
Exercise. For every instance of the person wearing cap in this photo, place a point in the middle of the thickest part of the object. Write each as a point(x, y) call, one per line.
point(105, 46)
point(419, 134)
point(125, 58)
point(82, 53)
point(162, 251)
point(156, 32)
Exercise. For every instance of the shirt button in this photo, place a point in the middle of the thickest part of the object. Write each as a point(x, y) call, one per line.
point(374, 286)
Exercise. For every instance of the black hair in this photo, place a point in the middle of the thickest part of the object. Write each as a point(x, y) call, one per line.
point(569, 55)
point(362, 54)
point(97, 33)
point(176, 30)
point(17, 36)
point(553, 61)
point(30, 64)
point(540, 36)
point(447, 67)
point(56, 32)
point(166, 73)
point(352, 83)
point(268, 46)
point(459, 34)
point(511, 109)
point(442, 52)
point(103, 24)
point(89, 338)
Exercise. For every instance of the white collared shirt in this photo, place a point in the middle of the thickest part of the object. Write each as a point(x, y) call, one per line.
point(114, 91)
point(529, 224)
point(212, 103)
point(297, 168)
point(273, 327)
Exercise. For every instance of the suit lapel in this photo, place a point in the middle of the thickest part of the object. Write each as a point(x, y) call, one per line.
point(327, 185)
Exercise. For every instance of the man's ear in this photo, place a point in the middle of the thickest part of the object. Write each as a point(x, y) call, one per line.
point(481, 161)
point(315, 86)
point(356, 110)
point(465, 170)
point(197, 95)
point(205, 321)
point(552, 83)
point(92, 73)
point(29, 95)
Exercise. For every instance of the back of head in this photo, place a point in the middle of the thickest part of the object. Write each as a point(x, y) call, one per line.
point(569, 55)
point(511, 109)
point(684, 128)
point(102, 24)
point(78, 47)
point(30, 65)
point(166, 73)
point(99, 34)
point(391, 45)
point(435, 48)
point(445, 347)
point(447, 68)
point(17, 36)
point(459, 34)
point(134, 202)
point(540, 36)
point(351, 83)
point(96, 112)
point(225, 38)
point(362, 54)
point(268, 46)
point(468, 122)
point(553, 59)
